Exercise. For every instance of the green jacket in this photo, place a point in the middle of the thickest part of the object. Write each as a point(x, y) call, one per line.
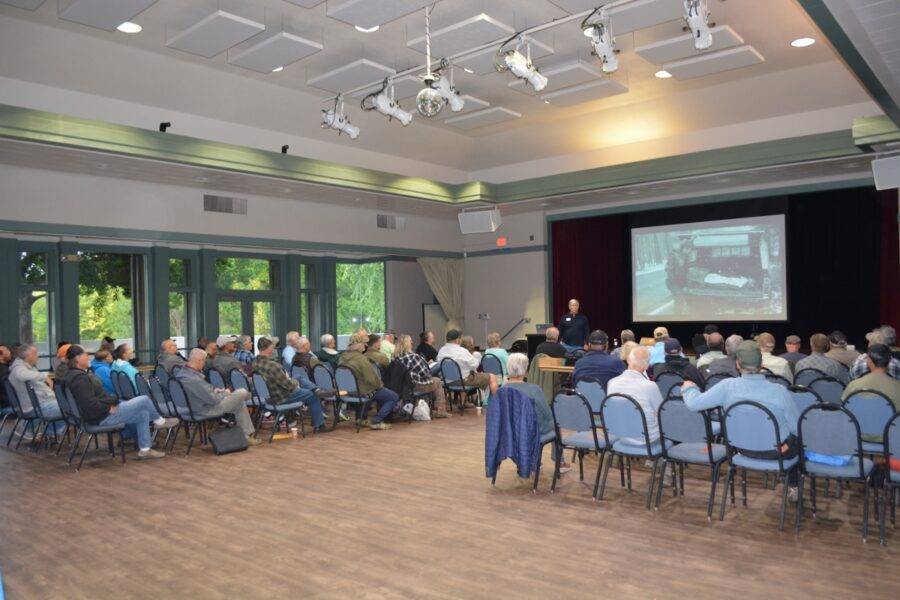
point(542, 379)
point(378, 357)
point(366, 377)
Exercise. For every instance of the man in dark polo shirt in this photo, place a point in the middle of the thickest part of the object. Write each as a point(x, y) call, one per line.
point(573, 327)
point(598, 363)
point(551, 347)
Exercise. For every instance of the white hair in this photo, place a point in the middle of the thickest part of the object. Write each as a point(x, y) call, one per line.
point(517, 365)
point(197, 353)
point(302, 341)
point(326, 339)
point(639, 357)
point(292, 338)
point(732, 343)
point(552, 334)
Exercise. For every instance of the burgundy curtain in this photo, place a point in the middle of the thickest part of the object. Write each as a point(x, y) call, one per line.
point(889, 271)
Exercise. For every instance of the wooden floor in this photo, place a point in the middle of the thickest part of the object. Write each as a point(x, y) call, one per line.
point(405, 513)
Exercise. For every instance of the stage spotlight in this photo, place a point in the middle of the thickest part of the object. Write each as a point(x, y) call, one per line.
point(383, 101)
point(334, 118)
point(165, 125)
point(603, 43)
point(696, 15)
point(449, 93)
point(520, 66)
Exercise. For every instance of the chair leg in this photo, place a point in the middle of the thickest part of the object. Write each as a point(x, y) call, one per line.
point(600, 458)
point(122, 447)
point(866, 495)
point(652, 485)
point(537, 471)
point(556, 466)
point(713, 482)
point(681, 478)
point(74, 447)
point(784, 495)
point(744, 486)
point(606, 465)
point(12, 432)
point(887, 497)
point(729, 481)
point(84, 452)
point(801, 480)
point(627, 470)
point(193, 431)
point(622, 471)
point(662, 482)
point(580, 465)
point(812, 495)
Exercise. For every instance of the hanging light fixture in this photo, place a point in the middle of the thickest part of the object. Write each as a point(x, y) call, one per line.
point(429, 101)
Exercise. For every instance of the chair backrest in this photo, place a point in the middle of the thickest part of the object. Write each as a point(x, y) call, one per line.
point(778, 379)
point(831, 430)
point(13, 399)
point(716, 378)
point(571, 411)
point(143, 388)
point(751, 426)
point(162, 375)
point(297, 372)
point(623, 417)
point(871, 409)
point(829, 389)
point(262, 390)
point(59, 390)
point(180, 398)
point(666, 381)
point(72, 405)
point(114, 379)
point(123, 385)
point(216, 379)
point(159, 397)
point(345, 379)
point(450, 371)
point(806, 376)
point(239, 380)
point(804, 397)
point(491, 364)
point(323, 377)
point(680, 424)
point(32, 397)
point(593, 391)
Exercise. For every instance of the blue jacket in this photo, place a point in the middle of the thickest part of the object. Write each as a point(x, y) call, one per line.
point(599, 365)
point(127, 368)
point(512, 432)
point(101, 370)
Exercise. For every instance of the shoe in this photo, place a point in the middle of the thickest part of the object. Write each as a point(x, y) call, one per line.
point(440, 415)
point(380, 426)
point(149, 454)
point(343, 416)
point(793, 494)
point(564, 468)
point(168, 424)
point(252, 440)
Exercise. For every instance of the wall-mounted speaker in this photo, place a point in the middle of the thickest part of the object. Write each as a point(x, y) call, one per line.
point(479, 221)
point(886, 172)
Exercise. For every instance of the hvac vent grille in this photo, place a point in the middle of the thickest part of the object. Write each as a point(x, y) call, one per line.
point(224, 204)
point(390, 222)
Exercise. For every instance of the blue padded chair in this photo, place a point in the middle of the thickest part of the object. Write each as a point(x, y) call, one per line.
point(28, 419)
point(162, 375)
point(92, 432)
point(891, 476)
point(279, 410)
point(68, 415)
point(191, 421)
point(666, 380)
point(491, 364)
point(123, 385)
point(44, 422)
point(323, 379)
point(751, 427)
point(154, 390)
point(778, 379)
point(572, 412)
point(623, 417)
point(692, 443)
point(832, 430)
point(454, 386)
point(872, 411)
point(829, 389)
point(348, 392)
point(593, 391)
point(216, 380)
point(804, 397)
point(239, 381)
point(716, 378)
point(806, 376)
point(7, 413)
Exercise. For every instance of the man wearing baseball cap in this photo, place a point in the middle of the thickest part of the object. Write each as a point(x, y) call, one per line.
point(752, 385)
point(839, 351)
point(793, 354)
point(676, 362)
point(224, 360)
point(658, 352)
point(597, 362)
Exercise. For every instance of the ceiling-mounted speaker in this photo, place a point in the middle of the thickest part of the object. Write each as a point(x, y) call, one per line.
point(886, 172)
point(479, 221)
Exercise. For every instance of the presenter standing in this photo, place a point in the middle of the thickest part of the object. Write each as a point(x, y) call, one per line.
point(573, 327)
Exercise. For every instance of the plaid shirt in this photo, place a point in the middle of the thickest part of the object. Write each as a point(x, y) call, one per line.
point(860, 368)
point(243, 356)
point(280, 385)
point(417, 367)
point(829, 366)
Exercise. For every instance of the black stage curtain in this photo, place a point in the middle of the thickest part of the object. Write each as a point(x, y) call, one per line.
point(838, 258)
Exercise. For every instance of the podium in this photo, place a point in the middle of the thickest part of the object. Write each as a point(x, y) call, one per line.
point(534, 339)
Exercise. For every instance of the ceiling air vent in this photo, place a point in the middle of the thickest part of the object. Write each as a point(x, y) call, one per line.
point(390, 222)
point(224, 204)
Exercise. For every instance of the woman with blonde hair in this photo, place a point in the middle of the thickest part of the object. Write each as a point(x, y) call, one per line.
point(494, 349)
point(421, 374)
point(626, 349)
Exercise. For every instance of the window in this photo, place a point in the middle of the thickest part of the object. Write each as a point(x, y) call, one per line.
point(34, 303)
point(245, 274)
point(106, 304)
point(360, 297)
point(307, 296)
point(180, 301)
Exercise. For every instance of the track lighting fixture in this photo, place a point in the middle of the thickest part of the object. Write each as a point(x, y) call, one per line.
point(164, 125)
point(602, 41)
point(519, 64)
point(334, 118)
point(696, 15)
point(383, 101)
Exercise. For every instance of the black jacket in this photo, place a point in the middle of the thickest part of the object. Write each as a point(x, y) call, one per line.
point(573, 329)
point(427, 352)
point(87, 389)
point(396, 377)
point(554, 349)
point(680, 365)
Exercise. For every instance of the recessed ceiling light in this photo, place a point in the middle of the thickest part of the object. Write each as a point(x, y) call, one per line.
point(663, 74)
point(366, 29)
point(129, 27)
point(803, 42)
point(277, 69)
point(468, 70)
point(546, 102)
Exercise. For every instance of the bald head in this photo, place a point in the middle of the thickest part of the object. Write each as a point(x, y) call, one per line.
point(638, 359)
point(715, 342)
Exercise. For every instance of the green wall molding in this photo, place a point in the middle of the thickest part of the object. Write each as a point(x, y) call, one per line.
point(874, 130)
point(49, 128)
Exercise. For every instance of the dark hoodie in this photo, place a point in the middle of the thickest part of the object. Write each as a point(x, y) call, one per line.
point(680, 365)
point(87, 389)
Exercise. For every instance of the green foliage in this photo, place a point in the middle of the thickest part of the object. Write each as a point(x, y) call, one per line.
point(230, 317)
point(360, 297)
point(244, 274)
point(104, 296)
point(178, 275)
point(33, 268)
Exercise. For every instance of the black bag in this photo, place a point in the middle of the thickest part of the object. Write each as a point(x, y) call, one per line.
point(226, 440)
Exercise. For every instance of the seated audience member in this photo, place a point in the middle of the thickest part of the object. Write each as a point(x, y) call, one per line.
point(792, 354)
point(202, 342)
point(625, 336)
point(633, 382)
point(710, 329)
point(878, 356)
point(426, 346)
point(860, 365)
point(304, 357)
point(658, 352)
point(494, 349)
point(169, 358)
point(244, 351)
point(212, 349)
point(97, 407)
point(283, 389)
point(421, 375)
point(699, 344)
point(818, 344)
point(551, 346)
point(626, 349)
point(369, 382)
point(373, 352)
point(839, 351)
point(210, 402)
point(387, 343)
point(776, 364)
point(468, 364)
point(727, 365)
point(122, 356)
point(676, 362)
point(328, 353)
point(24, 369)
point(225, 360)
point(890, 340)
point(597, 363)
point(715, 350)
point(5, 360)
point(101, 367)
point(468, 342)
point(107, 343)
point(752, 385)
point(59, 370)
point(290, 348)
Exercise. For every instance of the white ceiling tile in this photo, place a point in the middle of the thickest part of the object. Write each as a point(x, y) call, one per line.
point(586, 92)
point(351, 76)
point(404, 87)
point(104, 14)
point(707, 64)
point(463, 35)
point(306, 3)
point(369, 13)
point(576, 6)
point(560, 76)
point(275, 51)
point(682, 46)
point(640, 14)
point(471, 105)
point(26, 4)
point(483, 118)
point(214, 34)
